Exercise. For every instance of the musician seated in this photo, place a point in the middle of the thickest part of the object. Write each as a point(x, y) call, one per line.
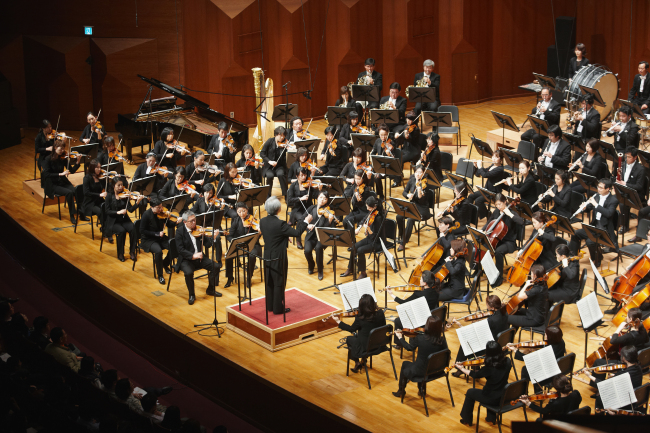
point(384, 146)
point(416, 192)
point(454, 288)
point(567, 287)
point(446, 236)
point(370, 316)
point(227, 190)
point(395, 102)
point(640, 92)
point(373, 229)
point(108, 147)
point(166, 154)
point(546, 235)
point(494, 174)
point(604, 213)
point(54, 178)
point(154, 240)
point(495, 370)
point(275, 159)
point(118, 221)
point(349, 171)
point(547, 109)
point(559, 194)
point(526, 186)
point(144, 170)
point(569, 399)
point(347, 101)
point(633, 177)
point(92, 134)
point(625, 130)
point(332, 154)
point(370, 77)
point(191, 257)
point(322, 219)
point(577, 62)
point(302, 160)
point(588, 119)
point(430, 290)
point(352, 127)
point(461, 212)
point(557, 152)
point(203, 205)
point(429, 79)
point(239, 227)
point(360, 194)
point(296, 133)
point(553, 336)
point(535, 291)
point(299, 198)
point(249, 163)
point(178, 186)
point(94, 193)
point(410, 144)
point(497, 321)
point(219, 147)
point(432, 340)
point(198, 169)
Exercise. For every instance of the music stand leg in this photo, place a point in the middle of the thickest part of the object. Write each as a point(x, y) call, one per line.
point(215, 322)
point(334, 259)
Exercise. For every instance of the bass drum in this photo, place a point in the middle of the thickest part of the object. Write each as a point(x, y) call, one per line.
point(599, 78)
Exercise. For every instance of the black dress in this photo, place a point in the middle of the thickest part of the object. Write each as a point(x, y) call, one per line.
point(425, 346)
point(535, 313)
point(496, 379)
point(547, 257)
point(526, 190)
point(454, 288)
point(53, 183)
point(568, 286)
point(256, 173)
point(561, 201)
point(422, 204)
point(225, 189)
point(118, 224)
point(574, 66)
point(335, 162)
point(462, 214)
point(560, 405)
point(94, 138)
point(92, 199)
point(357, 344)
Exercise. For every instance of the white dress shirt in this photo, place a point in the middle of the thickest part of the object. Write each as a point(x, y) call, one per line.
point(628, 171)
point(601, 203)
point(544, 105)
point(642, 82)
point(196, 250)
point(552, 148)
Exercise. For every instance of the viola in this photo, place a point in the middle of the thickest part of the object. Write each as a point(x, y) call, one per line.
point(229, 142)
point(404, 288)
point(633, 302)
point(165, 214)
point(175, 145)
point(496, 230)
point(131, 195)
point(387, 147)
point(251, 222)
point(517, 299)
point(624, 284)
point(305, 135)
point(311, 183)
point(243, 181)
point(469, 363)
point(360, 130)
point(332, 148)
point(476, 316)
point(554, 273)
point(326, 211)
point(201, 231)
point(255, 161)
point(371, 219)
point(109, 174)
point(537, 397)
point(115, 155)
point(309, 165)
point(444, 271)
point(520, 270)
point(351, 313)
point(603, 368)
point(359, 191)
point(157, 169)
point(218, 202)
point(429, 259)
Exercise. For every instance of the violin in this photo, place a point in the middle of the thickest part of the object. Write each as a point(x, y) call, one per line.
point(369, 221)
point(357, 129)
point(219, 203)
point(229, 142)
point(332, 148)
point(444, 271)
point(212, 169)
point(359, 191)
point(109, 174)
point(98, 128)
point(165, 214)
point(554, 273)
point(326, 211)
point(131, 195)
point(421, 185)
point(286, 144)
point(517, 299)
point(496, 230)
point(74, 154)
point(520, 270)
point(603, 368)
point(387, 147)
point(451, 206)
point(251, 222)
point(429, 259)
point(365, 167)
point(305, 135)
point(309, 165)
point(201, 231)
point(404, 288)
point(255, 161)
point(157, 169)
point(115, 155)
point(243, 181)
point(315, 184)
point(350, 313)
point(476, 316)
point(536, 397)
point(469, 363)
point(59, 136)
point(186, 187)
point(534, 344)
point(624, 284)
point(175, 145)
point(620, 412)
point(407, 332)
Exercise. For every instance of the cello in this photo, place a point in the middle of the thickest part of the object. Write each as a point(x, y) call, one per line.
point(517, 299)
point(520, 270)
point(625, 283)
point(633, 302)
point(429, 259)
point(495, 231)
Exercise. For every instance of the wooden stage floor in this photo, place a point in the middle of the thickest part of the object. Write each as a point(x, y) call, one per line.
point(314, 371)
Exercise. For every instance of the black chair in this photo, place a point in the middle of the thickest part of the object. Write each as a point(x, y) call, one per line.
point(527, 150)
point(511, 392)
point(454, 130)
point(642, 394)
point(441, 313)
point(505, 337)
point(644, 360)
point(378, 343)
point(446, 161)
point(583, 283)
point(102, 220)
point(584, 410)
point(634, 250)
point(58, 202)
point(173, 255)
point(469, 297)
point(138, 248)
point(566, 364)
point(553, 318)
point(465, 169)
point(436, 364)
point(79, 198)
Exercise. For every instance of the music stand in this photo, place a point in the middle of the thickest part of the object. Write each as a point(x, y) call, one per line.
point(481, 243)
point(365, 94)
point(563, 224)
point(598, 236)
point(431, 117)
point(240, 247)
point(588, 182)
point(627, 197)
point(545, 81)
point(540, 126)
point(338, 115)
point(340, 206)
point(505, 122)
point(420, 95)
point(636, 110)
point(389, 117)
point(453, 178)
point(482, 148)
point(513, 159)
point(365, 141)
point(576, 142)
point(488, 195)
point(284, 113)
point(176, 203)
point(144, 185)
point(598, 100)
point(433, 181)
point(86, 149)
point(336, 184)
point(117, 167)
point(644, 158)
point(210, 219)
point(406, 209)
point(547, 174)
point(255, 196)
point(524, 210)
point(388, 165)
point(332, 237)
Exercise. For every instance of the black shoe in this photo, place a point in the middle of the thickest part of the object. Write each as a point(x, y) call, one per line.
point(349, 248)
point(300, 247)
point(400, 248)
point(166, 390)
point(394, 184)
point(161, 280)
point(310, 271)
point(634, 239)
point(109, 240)
point(132, 256)
point(191, 300)
point(84, 218)
point(363, 275)
point(399, 394)
point(347, 273)
point(320, 275)
point(168, 270)
point(457, 373)
point(73, 220)
point(286, 310)
point(211, 292)
point(397, 347)
point(467, 423)
point(121, 258)
point(228, 283)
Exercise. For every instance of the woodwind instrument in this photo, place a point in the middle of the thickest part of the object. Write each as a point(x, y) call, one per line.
point(583, 158)
point(583, 206)
point(619, 170)
point(403, 288)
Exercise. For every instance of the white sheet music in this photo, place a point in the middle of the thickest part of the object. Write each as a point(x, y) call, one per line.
point(389, 256)
point(589, 310)
point(414, 314)
point(351, 292)
point(602, 282)
point(617, 392)
point(490, 268)
point(542, 364)
point(473, 338)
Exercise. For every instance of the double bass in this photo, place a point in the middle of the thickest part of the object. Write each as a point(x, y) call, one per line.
point(520, 270)
point(496, 230)
point(429, 259)
point(625, 283)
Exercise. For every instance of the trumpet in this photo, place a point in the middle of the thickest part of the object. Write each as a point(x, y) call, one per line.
point(387, 106)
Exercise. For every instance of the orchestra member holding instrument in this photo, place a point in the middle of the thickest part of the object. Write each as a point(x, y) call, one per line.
point(299, 198)
point(94, 193)
point(536, 293)
point(462, 211)
point(150, 168)
point(108, 147)
point(553, 337)
point(219, 147)
point(370, 77)
point(411, 150)
point(352, 127)
point(625, 131)
point(454, 288)
point(202, 203)
point(251, 163)
point(296, 132)
point(178, 186)
point(91, 133)
point(118, 221)
point(577, 62)
point(495, 370)
point(526, 186)
point(429, 79)
point(431, 341)
point(416, 191)
point(154, 240)
point(274, 154)
point(546, 235)
point(198, 170)
point(54, 178)
point(557, 152)
point(446, 235)
point(227, 190)
point(559, 194)
point(349, 171)
point(191, 257)
point(384, 146)
point(588, 120)
point(373, 229)
point(276, 234)
point(242, 226)
point(322, 217)
point(591, 163)
point(370, 317)
point(568, 286)
point(494, 174)
point(44, 142)
point(361, 193)
point(568, 399)
point(640, 92)
point(547, 109)
point(302, 159)
point(431, 155)
point(346, 100)
point(632, 176)
point(333, 154)
point(167, 155)
point(604, 206)
point(395, 102)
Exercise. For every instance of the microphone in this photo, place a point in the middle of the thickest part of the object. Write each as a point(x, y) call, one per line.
point(307, 94)
point(285, 84)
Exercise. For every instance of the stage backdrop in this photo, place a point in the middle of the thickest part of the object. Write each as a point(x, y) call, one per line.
point(482, 49)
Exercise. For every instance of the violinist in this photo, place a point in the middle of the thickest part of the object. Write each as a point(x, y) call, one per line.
point(296, 132)
point(91, 134)
point(507, 244)
point(302, 158)
point(604, 206)
point(349, 171)
point(410, 143)
point(299, 198)
point(546, 235)
point(632, 176)
point(167, 155)
point(372, 227)
point(249, 162)
point(591, 163)
point(198, 169)
point(569, 399)
point(495, 370)
point(361, 193)
point(430, 157)
point(191, 257)
point(568, 286)
point(227, 190)
point(559, 194)
point(553, 337)
point(94, 193)
point(526, 186)
point(219, 148)
point(454, 288)
point(274, 154)
point(333, 154)
point(242, 226)
point(154, 240)
point(416, 191)
point(430, 291)
point(493, 174)
point(352, 127)
point(630, 332)
point(431, 341)
point(203, 205)
point(177, 186)
point(385, 147)
point(395, 102)
point(145, 170)
point(118, 221)
point(536, 293)
point(321, 219)
point(44, 142)
point(370, 317)
point(462, 212)
point(108, 147)
point(54, 178)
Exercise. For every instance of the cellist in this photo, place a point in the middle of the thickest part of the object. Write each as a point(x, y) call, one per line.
point(537, 297)
point(567, 287)
point(546, 235)
point(640, 284)
point(507, 244)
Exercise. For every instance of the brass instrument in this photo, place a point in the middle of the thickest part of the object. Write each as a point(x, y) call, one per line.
point(385, 106)
point(418, 83)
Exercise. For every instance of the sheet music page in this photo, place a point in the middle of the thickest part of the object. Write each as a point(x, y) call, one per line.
point(474, 336)
point(350, 295)
point(625, 390)
point(542, 364)
point(421, 311)
point(483, 332)
point(602, 282)
point(589, 310)
point(389, 256)
point(405, 312)
point(490, 268)
point(364, 286)
point(617, 392)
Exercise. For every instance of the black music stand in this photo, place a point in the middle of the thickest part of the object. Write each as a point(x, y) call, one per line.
point(384, 116)
point(608, 151)
point(599, 236)
point(176, 203)
point(482, 148)
point(240, 247)
point(117, 167)
point(644, 158)
point(598, 100)
point(338, 115)
point(488, 195)
point(255, 196)
point(210, 219)
point(422, 95)
point(513, 159)
point(505, 122)
point(144, 185)
point(432, 179)
point(406, 209)
point(366, 94)
point(453, 178)
point(576, 142)
point(627, 197)
point(588, 182)
point(524, 210)
point(333, 237)
point(481, 243)
point(388, 166)
point(365, 141)
point(336, 184)
point(562, 224)
point(540, 126)
point(431, 117)
point(544, 80)
point(340, 206)
point(86, 149)
point(284, 113)
point(546, 174)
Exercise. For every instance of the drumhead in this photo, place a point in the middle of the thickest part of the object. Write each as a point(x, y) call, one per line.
point(598, 78)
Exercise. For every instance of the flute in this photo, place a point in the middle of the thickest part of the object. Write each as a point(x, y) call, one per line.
point(582, 159)
point(582, 207)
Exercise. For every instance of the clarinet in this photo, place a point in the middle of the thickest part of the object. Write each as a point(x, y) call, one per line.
point(583, 158)
point(582, 207)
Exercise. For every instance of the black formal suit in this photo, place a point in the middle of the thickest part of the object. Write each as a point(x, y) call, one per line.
point(256, 173)
point(411, 150)
point(561, 201)
point(143, 170)
point(493, 174)
point(358, 343)
point(400, 106)
point(311, 239)
point(161, 150)
point(496, 379)
point(535, 313)
point(377, 81)
point(271, 152)
point(590, 125)
point(238, 230)
point(637, 96)
point(298, 210)
point(552, 117)
point(608, 215)
point(92, 199)
point(188, 264)
point(593, 167)
point(422, 204)
point(636, 181)
point(454, 288)
point(170, 190)
point(369, 243)
point(435, 83)
point(425, 346)
point(52, 183)
point(547, 257)
point(526, 190)
point(226, 189)
point(41, 144)
point(627, 137)
point(348, 173)
point(276, 235)
point(150, 240)
point(89, 132)
point(568, 286)
point(333, 163)
point(217, 147)
point(574, 66)
point(562, 156)
point(118, 224)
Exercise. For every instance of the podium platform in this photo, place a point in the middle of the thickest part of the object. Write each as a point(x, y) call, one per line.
point(33, 188)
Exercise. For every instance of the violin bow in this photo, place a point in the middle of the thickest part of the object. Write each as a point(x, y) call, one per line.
point(170, 211)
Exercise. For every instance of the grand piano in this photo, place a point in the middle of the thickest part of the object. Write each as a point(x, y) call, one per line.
point(200, 122)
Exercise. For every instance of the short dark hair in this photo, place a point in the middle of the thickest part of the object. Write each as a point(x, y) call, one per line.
point(588, 99)
point(180, 170)
point(371, 201)
point(329, 129)
point(432, 281)
point(555, 130)
point(150, 154)
point(395, 85)
point(563, 250)
point(56, 334)
point(359, 153)
point(632, 151)
point(46, 123)
point(294, 119)
point(208, 187)
point(353, 115)
point(383, 127)
point(537, 271)
point(222, 125)
point(446, 220)
point(625, 109)
point(148, 402)
point(280, 131)
point(582, 48)
point(370, 61)
point(165, 132)
point(411, 115)
point(563, 175)
point(646, 64)
point(606, 183)
point(493, 301)
point(630, 354)
point(154, 201)
point(241, 204)
point(123, 389)
point(594, 144)
point(461, 187)
point(500, 197)
point(541, 217)
point(433, 136)
point(554, 334)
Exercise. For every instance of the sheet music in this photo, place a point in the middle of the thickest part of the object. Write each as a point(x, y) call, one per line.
point(364, 286)
point(351, 292)
point(602, 282)
point(414, 314)
point(389, 256)
point(490, 268)
point(589, 310)
point(542, 364)
point(474, 336)
point(617, 392)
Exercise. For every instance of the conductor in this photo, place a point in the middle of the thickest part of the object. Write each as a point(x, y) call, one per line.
point(276, 234)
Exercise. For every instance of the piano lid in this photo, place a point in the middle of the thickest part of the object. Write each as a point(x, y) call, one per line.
point(175, 92)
